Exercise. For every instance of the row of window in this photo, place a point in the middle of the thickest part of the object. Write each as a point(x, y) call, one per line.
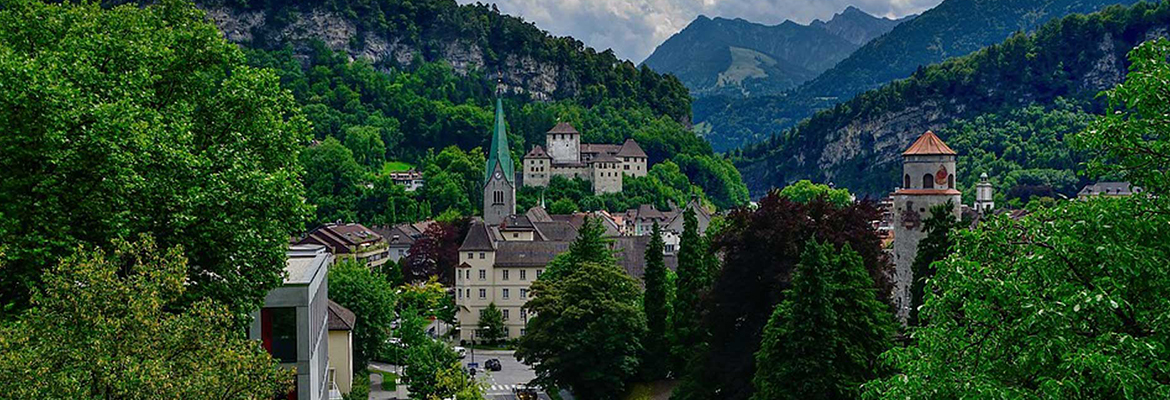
point(504, 274)
point(523, 315)
point(505, 293)
point(928, 181)
point(559, 136)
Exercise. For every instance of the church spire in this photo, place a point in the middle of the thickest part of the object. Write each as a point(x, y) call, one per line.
point(500, 153)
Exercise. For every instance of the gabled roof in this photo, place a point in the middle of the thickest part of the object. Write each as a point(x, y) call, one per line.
point(631, 149)
point(928, 144)
point(537, 214)
point(516, 223)
point(478, 238)
point(537, 152)
point(604, 158)
point(594, 148)
point(499, 153)
point(556, 231)
point(340, 318)
point(399, 235)
point(563, 127)
point(528, 254)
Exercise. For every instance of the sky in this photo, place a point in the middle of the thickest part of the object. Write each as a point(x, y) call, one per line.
point(633, 28)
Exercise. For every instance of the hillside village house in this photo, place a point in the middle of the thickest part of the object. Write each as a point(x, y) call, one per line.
point(505, 252)
point(291, 325)
point(350, 241)
point(411, 180)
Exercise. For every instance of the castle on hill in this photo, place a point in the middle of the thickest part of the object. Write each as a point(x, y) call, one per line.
point(564, 155)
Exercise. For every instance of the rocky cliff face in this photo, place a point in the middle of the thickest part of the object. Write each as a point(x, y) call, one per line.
point(863, 151)
point(519, 74)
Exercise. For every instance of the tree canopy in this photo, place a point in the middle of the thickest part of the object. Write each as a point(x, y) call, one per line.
point(371, 298)
point(127, 120)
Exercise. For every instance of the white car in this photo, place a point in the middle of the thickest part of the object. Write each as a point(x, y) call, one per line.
point(461, 351)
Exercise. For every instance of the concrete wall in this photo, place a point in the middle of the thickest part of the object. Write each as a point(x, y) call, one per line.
point(563, 147)
point(310, 302)
point(341, 359)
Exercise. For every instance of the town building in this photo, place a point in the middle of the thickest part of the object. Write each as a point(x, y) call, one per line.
point(984, 200)
point(640, 222)
point(928, 179)
point(505, 252)
point(564, 155)
point(1108, 189)
point(291, 325)
point(411, 180)
point(341, 322)
point(399, 238)
point(350, 241)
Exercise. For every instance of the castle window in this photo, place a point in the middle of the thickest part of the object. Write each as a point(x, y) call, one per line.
point(950, 181)
point(505, 310)
point(627, 167)
point(928, 181)
point(906, 181)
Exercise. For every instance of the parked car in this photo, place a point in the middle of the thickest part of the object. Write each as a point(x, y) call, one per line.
point(461, 351)
point(492, 365)
point(524, 392)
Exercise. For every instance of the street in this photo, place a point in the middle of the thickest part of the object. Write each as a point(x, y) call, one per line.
point(499, 384)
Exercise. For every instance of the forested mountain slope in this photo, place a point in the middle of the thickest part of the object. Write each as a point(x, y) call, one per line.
point(951, 29)
point(738, 57)
point(857, 143)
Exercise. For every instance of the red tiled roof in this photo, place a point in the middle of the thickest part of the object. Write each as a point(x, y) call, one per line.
point(928, 144)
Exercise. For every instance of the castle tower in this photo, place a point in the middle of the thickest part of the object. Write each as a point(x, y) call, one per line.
point(499, 181)
point(563, 144)
point(984, 201)
point(928, 179)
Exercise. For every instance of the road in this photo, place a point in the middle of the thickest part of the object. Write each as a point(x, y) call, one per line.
point(500, 383)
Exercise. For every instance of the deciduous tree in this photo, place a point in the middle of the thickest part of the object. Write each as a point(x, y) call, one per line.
point(372, 300)
point(934, 247)
point(491, 325)
point(144, 119)
point(106, 323)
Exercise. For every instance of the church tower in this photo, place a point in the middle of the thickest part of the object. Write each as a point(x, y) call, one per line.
point(984, 201)
point(928, 179)
point(499, 181)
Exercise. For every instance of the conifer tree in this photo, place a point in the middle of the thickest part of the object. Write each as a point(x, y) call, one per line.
point(694, 280)
point(491, 325)
point(933, 247)
point(655, 303)
point(823, 340)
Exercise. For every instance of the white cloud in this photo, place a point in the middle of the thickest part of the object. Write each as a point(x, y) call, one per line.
point(633, 28)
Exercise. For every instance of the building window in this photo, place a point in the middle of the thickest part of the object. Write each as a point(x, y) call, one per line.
point(523, 274)
point(951, 181)
point(523, 315)
point(906, 181)
point(460, 294)
point(481, 313)
point(670, 248)
point(538, 273)
point(928, 181)
point(505, 273)
point(505, 292)
point(278, 331)
point(505, 314)
point(482, 255)
point(482, 294)
point(482, 275)
point(522, 331)
point(515, 235)
point(627, 166)
point(523, 294)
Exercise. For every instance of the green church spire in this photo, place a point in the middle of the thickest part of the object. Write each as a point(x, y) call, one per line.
point(500, 152)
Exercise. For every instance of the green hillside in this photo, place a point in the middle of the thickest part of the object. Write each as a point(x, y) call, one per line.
point(953, 28)
point(857, 143)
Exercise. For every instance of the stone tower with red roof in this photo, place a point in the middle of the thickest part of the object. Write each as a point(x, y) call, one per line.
point(928, 179)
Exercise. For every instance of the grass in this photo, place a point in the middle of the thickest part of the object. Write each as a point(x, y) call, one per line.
point(395, 166)
point(389, 380)
point(658, 390)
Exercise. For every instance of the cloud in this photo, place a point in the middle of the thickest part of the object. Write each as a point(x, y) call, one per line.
point(633, 28)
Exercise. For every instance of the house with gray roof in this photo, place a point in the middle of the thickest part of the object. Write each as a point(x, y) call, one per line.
point(602, 164)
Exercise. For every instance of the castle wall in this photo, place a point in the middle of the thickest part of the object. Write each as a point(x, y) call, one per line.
point(537, 172)
point(607, 177)
point(634, 166)
point(563, 147)
point(572, 171)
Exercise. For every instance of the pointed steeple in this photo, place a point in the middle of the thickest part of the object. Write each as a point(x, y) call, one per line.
point(500, 153)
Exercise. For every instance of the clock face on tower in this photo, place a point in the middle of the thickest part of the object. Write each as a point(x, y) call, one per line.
point(499, 175)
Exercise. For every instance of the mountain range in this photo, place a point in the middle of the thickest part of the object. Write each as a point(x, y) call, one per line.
point(951, 29)
point(738, 57)
point(857, 144)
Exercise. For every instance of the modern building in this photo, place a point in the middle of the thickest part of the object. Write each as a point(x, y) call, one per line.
point(602, 164)
point(411, 180)
point(350, 241)
point(292, 323)
point(1108, 189)
point(341, 322)
point(928, 179)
